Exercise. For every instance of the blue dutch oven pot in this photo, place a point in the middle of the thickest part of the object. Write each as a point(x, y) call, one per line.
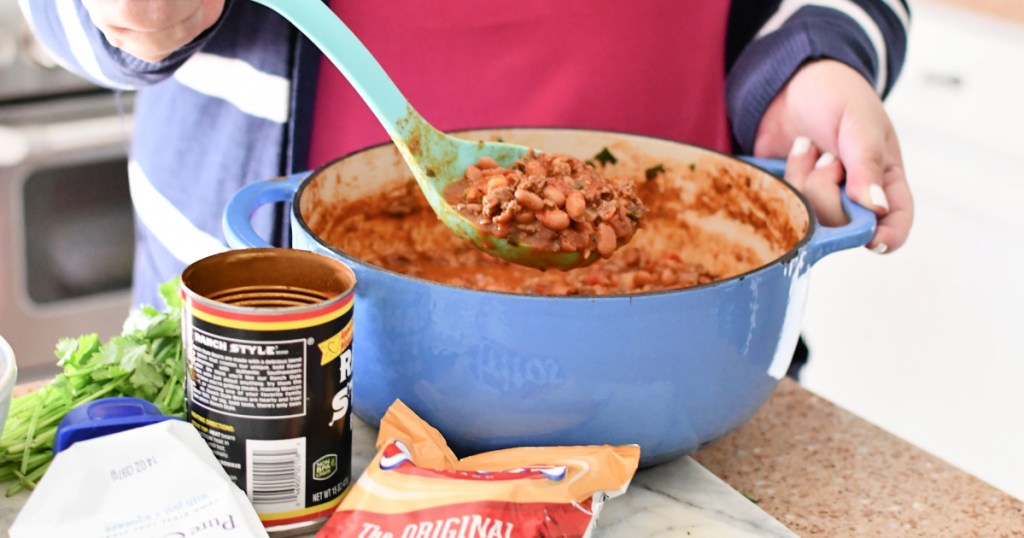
point(669, 370)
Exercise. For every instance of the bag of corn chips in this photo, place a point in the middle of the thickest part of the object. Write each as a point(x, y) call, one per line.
point(416, 487)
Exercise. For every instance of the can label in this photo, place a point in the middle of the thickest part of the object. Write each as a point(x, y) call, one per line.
point(269, 389)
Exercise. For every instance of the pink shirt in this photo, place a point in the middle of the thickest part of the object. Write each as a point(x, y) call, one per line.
point(655, 67)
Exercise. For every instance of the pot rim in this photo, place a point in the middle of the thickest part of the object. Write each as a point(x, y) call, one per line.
point(782, 259)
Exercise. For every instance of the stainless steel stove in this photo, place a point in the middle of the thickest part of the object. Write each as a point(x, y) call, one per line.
point(66, 228)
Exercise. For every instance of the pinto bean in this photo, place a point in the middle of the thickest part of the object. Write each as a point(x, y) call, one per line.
point(497, 183)
point(555, 195)
point(535, 168)
point(525, 217)
point(554, 219)
point(642, 278)
point(473, 194)
point(606, 240)
point(668, 277)
point(529, 200)
point(473, 173)
point(631, 257)
point(575, 205)
point(486, 162)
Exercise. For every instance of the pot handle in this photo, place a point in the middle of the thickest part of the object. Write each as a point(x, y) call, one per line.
point(237, 221)
point(826, 240)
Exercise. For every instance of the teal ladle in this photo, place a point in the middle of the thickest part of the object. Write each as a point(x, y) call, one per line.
point(436, 159)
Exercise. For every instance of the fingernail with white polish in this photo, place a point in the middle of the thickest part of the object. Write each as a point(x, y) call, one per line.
point(880, 248)
point(825, 160)
point(800, 146)
point(878, 198)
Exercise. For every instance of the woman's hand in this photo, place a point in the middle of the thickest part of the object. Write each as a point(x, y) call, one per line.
point(152, 29)
point(828, 119)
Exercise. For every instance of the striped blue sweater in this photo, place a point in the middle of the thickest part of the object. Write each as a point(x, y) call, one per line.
point(235, 105)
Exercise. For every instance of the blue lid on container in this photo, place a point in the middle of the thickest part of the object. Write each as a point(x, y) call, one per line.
point(103, 417)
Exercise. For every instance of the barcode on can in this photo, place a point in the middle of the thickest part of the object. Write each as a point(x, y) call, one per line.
point(275, 474)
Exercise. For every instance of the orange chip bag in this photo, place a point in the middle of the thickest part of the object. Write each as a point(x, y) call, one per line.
point(416, 488)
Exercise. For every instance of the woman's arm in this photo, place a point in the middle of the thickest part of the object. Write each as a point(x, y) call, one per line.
point(123, 45)
point(770, 40)
point(807, 80)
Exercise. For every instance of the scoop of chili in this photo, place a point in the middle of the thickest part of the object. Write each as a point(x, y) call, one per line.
point(549, 202)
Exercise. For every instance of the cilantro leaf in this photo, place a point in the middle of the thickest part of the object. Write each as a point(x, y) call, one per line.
point(163, 326)
point(605, 157)
point(147, 380)
point(78, 353)
point(66, 349)
point(171, 293)
point(653, 171)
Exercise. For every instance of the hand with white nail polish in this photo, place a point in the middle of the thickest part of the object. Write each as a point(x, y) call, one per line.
point(833, 127)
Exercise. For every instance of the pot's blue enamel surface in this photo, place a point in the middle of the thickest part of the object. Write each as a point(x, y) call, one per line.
point(669, 371)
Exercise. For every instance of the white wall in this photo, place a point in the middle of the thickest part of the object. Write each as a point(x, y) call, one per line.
point(927, 342)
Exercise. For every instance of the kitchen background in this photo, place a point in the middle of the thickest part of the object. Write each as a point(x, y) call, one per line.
point(922, 342)
point(66, 228)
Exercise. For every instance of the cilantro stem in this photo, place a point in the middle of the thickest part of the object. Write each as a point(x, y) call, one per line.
point(56, 417)
point(112, 385)
point(27, 480)
point(31, 433)
point(168, 391)
point(44, 438)
point(23, 402)
point(17, 427)
point(80, 372)
point(7, 471)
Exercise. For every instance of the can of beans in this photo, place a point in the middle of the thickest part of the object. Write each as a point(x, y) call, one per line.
point(268, 358)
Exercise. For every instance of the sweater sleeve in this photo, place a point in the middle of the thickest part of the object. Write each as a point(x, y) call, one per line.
point(868, 35)
point(66, 31)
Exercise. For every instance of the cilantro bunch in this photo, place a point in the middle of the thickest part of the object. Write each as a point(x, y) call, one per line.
point(145, 361)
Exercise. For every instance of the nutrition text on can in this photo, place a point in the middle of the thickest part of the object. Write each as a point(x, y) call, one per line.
point(268, 349)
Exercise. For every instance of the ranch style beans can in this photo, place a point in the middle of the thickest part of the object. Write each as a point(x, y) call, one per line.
point(268, 357)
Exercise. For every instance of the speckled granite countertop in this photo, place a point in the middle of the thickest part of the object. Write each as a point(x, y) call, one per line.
point(823, 471)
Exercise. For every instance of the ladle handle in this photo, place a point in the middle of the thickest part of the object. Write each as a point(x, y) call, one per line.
point(316, 20)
